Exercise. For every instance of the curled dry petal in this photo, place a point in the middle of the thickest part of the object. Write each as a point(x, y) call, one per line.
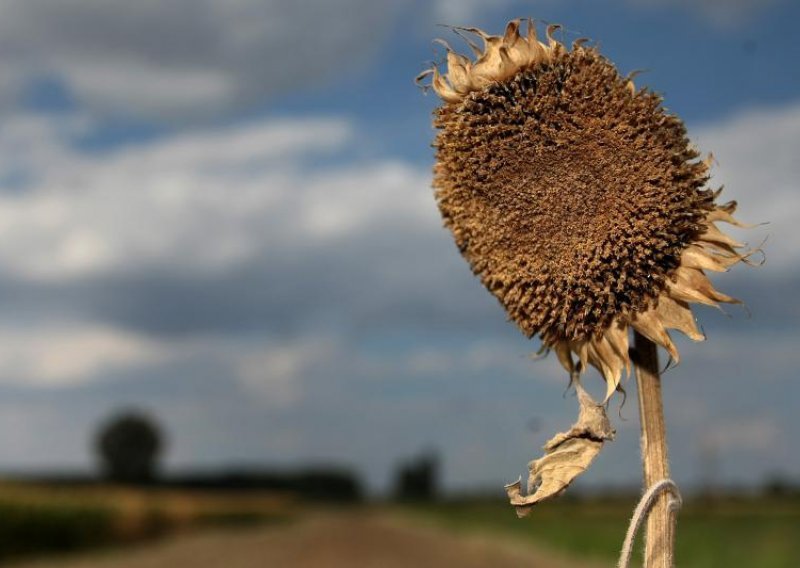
point(702, 259)
point(500, 58)
point(650, 325)
point(691, 285)
point(716, 237)
point(567, 455)
point(676, 314)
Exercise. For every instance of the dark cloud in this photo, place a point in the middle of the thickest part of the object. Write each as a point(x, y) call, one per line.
point(359, 284)
point(183, 57)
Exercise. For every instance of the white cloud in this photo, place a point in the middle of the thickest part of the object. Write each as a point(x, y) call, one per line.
point(202, 202)
point(756, 153)
point(69, 354)
point(275, 371)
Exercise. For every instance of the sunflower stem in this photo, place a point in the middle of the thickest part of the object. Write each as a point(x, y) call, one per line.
point(660, 529)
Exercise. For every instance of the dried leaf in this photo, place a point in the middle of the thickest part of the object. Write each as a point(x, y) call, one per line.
point(568, 454)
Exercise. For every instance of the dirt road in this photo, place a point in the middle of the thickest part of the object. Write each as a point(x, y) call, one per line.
point(328, 541)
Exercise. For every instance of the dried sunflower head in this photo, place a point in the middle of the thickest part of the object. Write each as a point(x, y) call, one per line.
point(576, 198)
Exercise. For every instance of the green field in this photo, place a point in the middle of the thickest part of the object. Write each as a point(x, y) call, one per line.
point(763, 533)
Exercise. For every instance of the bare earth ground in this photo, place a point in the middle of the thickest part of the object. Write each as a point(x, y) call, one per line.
point(352, 540)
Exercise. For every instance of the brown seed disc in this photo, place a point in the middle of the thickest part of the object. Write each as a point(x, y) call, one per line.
point(571, 196)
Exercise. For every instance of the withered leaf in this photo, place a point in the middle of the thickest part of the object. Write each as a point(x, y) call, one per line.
point(567, 455)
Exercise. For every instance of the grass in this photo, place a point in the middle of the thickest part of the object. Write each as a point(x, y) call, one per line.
point(723, 533)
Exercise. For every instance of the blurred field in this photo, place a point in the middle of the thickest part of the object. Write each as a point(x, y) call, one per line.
point(336, 539)
point(720, 533)
point(52, 526)
point(37, 519)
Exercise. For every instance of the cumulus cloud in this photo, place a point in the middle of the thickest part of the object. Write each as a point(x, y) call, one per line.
point(153, 205)
point(757, 163)
point(276, 371)
point(67, 355)
point(202, 234)
point(220, 230)
point(167, 59)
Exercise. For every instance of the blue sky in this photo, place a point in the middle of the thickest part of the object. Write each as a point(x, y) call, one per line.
point(220, 212)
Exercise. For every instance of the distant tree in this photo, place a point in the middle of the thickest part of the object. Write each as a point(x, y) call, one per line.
point(128, 446)
point(417, 479)
point(778, 485)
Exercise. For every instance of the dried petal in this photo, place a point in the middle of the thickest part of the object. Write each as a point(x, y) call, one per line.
point(564, 356)
point(443, 88)
point(568, 455)
point(691, 285)
point(605, 359)
point(701, 259)
point(675, 314)
point(715, 236)
point(650, 325)
point(617, 335)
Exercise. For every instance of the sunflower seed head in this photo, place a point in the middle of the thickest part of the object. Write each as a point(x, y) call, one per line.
point(577, 199)
point(572, 199)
